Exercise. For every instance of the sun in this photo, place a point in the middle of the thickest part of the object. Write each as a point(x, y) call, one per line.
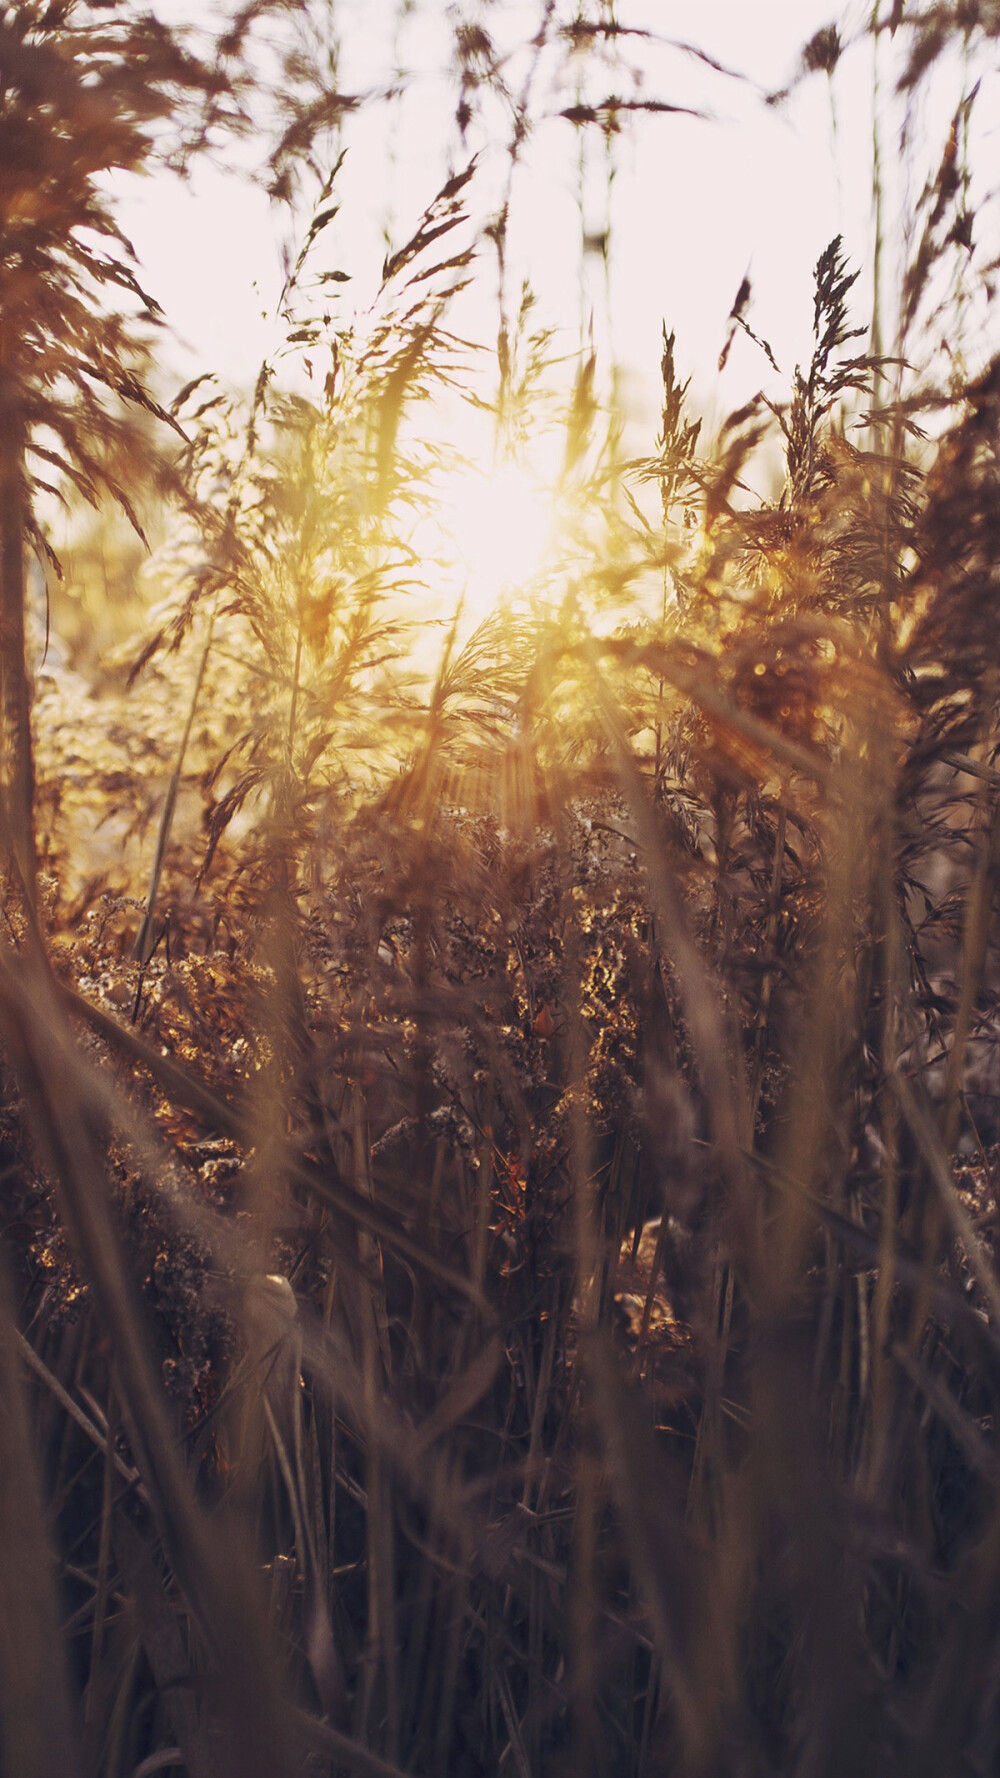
point(502, 527)
point(492, 531)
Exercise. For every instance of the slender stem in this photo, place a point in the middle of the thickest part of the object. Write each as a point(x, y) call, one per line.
point(144, 941)
point(15, 688)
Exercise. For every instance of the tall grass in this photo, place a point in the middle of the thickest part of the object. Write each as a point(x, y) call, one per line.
point(500, 1266)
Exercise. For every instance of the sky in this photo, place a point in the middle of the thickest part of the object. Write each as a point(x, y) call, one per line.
point(697, 203)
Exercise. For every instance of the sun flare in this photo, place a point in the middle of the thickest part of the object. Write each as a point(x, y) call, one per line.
point(494, 529)
point(501, 528)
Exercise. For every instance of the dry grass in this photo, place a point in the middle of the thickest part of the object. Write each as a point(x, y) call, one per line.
point(500, 1232)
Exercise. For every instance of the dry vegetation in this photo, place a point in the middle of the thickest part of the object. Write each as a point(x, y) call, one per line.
point(500, 1228)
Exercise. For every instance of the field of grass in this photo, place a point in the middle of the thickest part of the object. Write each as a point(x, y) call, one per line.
point(500, 1117)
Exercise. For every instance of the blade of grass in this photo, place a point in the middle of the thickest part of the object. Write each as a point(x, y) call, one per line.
point(36, 1723)
point(181, 1085)
point(936, 1160)
point(205, 1560)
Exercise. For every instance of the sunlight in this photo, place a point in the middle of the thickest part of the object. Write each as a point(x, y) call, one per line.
point(497, 528)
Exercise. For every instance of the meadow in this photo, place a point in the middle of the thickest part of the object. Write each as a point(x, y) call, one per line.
point(499, 1123)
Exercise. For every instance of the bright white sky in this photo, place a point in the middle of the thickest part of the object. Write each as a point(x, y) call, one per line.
point(697, 204)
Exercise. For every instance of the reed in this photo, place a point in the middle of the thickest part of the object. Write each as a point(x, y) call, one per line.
point(500, 1261)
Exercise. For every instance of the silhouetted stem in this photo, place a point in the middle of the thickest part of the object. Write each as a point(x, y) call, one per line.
point(15, 690)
